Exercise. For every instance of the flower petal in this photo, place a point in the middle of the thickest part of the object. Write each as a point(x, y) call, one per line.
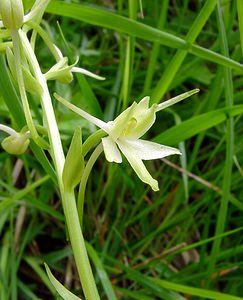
point(137, 165)
point(145, 118)
point(146, 150)
point(112, 153)
point(142, 105)
point(121, 122)
point(101, 124)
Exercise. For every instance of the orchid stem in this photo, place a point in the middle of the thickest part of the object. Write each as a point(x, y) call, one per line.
point(68, 198)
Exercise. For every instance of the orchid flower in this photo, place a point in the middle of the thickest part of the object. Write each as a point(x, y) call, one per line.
point(125, 131)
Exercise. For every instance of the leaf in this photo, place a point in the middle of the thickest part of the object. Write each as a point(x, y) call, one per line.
point(194, 291)
point(62, 291)
point(197, 124)
point(74, 164)
point(105, 19)
point(100, 268)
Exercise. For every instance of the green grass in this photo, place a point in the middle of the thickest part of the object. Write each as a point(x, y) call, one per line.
point(183, 242)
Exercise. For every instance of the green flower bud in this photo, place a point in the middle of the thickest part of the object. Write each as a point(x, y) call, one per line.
point(12, 13)
point(16, 144)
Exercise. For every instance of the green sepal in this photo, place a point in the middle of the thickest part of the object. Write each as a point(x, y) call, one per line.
point(74, 164)
point(30, 83)
point(61, 71)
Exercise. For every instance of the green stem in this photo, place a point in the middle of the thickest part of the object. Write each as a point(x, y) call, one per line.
point(78, 246)
point(84, 179)
point(92, 140)
point(68, 198)
point(20, 79)
point(49, 116)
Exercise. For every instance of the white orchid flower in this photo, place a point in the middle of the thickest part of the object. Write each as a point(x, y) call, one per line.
point(125, 131)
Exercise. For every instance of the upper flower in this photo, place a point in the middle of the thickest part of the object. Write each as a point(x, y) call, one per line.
point(12, 12)
point(125, 131)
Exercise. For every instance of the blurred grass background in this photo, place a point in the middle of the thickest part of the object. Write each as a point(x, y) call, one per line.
point(183, 242)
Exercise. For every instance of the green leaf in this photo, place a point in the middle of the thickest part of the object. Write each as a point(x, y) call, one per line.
point(62, 291)
point(197, 124)
point(194, 291)
point(74, 164)
point(101, 272)
point(113, 21)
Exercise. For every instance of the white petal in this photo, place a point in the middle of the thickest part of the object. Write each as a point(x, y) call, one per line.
point(146, 150)
point(137, 165)
point(112, 153)
point(145, 119)
point(142, 105)
point(121, 122)
point(101, 124)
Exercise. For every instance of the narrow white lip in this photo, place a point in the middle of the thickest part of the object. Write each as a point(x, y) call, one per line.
point(8, 130)
point(86, 72)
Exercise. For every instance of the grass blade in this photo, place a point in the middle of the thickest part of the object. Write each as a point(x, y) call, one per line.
point(222, 214)
point(174, 65)
point(119, 23)
point(197, 124)
point(62, 291)
point(194, 291)
point(101, 272)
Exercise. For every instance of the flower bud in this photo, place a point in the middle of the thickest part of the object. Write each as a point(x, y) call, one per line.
point(16, 144)
point(12, 13)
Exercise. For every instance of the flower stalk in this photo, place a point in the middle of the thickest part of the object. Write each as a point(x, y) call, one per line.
point(22, 47)
point(68, 198)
